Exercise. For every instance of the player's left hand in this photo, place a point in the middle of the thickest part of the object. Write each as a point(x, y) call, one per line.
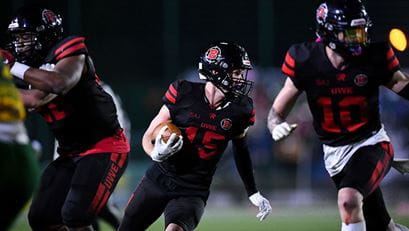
point(263, 205)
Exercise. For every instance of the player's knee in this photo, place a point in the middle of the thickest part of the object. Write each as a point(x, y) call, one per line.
point(174, 227)
point(75, 217)
point(349, 200)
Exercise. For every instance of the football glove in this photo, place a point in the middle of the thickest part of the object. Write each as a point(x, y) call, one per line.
point(282, 130)
point(163, 150)
point(263, 205)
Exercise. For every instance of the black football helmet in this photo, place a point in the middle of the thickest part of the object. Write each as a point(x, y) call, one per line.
point(343, 25)
point(32, 32)
point(218, 63)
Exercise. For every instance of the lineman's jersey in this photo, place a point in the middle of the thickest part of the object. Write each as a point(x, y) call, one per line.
point(86, 114)
point(206, 133)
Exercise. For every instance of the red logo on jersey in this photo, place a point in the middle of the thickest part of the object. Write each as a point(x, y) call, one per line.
point(341, 76)
point(361, 80)
point(212, 116)
point(226, 123)
point(213, 53)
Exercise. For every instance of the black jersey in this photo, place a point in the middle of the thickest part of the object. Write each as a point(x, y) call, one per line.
point(206, 132)
point(86, 114)
point(344, 104)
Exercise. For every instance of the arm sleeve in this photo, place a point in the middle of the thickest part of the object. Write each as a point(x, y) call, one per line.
point(244, 164)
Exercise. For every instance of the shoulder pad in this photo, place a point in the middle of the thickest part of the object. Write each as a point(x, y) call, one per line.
point(69, 46)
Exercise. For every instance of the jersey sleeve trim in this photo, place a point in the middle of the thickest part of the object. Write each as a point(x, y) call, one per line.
point(71, 50)
point(393, 62)
point(70, 47)
point(288, 66)
point(171, 94)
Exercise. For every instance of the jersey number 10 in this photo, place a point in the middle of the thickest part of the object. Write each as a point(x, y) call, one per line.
point(345, 107)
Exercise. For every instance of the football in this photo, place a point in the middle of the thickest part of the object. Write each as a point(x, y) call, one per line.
point(171, 128)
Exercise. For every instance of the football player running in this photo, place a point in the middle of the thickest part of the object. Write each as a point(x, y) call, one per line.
point(209, 114)
point(65, 90)
point(341, 74)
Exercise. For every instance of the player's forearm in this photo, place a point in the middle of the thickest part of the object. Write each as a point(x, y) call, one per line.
point(244, 165)
point(32, 98)
point(147, 144)
point(47, 81)
point(274, 118)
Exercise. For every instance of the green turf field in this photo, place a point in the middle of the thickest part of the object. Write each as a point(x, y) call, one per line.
point(243, 219)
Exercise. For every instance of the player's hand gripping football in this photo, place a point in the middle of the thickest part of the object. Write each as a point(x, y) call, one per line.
point(282, 130)
point(263, 205)
point(163, 150)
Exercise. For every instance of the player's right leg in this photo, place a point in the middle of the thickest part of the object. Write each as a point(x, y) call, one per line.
point(45, 210)
point(145, 206)
point(362, 176)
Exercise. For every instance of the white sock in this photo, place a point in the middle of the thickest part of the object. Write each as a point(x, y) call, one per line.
point(360, 226)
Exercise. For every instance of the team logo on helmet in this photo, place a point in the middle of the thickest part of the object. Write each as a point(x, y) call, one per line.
point(213, 54)
point(361, 80)
point(49, 17)
point(322, 13)
point(226, 123)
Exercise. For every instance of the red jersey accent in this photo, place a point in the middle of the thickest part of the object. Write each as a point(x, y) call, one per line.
point(170, 97)
point(390, 54)
point(393, 64)
point(290, 60)
point(287, 70)
point(71, 50)
point(69, 43)
point(173, 90)
point(117, 143)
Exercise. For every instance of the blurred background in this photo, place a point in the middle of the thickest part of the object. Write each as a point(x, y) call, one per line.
point(139, 47)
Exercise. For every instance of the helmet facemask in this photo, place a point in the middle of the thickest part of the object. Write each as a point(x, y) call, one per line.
point(25, 46)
